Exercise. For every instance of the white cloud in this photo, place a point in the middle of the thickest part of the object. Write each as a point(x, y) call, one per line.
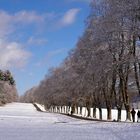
point(12, 55)
point(69, 17)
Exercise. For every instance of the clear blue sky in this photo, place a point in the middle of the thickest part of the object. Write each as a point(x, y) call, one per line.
point(36, 35)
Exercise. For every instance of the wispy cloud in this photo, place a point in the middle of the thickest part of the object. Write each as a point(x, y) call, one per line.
point(10, 22)
point(13, 22)
point(37, 41)
point(85, 1)
point(28, 17)
point(69, 17)
point(49, 56)
point(12, 55)
point(5, 24)
point(31, 74)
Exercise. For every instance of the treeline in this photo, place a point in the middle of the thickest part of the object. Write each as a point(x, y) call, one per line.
point(103, 68)
point(8, 92)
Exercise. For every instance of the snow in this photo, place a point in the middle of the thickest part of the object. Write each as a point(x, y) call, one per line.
point(19, 121)
point(42, 107)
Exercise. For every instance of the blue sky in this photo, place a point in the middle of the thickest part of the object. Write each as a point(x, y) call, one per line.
point(36, 35)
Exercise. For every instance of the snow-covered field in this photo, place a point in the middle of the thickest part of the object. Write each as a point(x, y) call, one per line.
point(20, 121)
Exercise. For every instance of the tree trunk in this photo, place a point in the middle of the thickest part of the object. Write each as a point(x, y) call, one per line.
point(53, 108)
point(109, 115)
point(94, 112)
point(80, 110)
point(100, 113)
point(67, 109)
point(88, 111)
point(72, 109)
point(88, 105)
point(128, 114)
point(139, 68)
point(135, 64)
point(127, 103)
point(64, 109)
point(76, 109)
point(119, 113)
point(57, 109)
point(136, 77)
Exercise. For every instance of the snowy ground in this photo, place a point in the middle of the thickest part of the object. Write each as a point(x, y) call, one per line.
point(22, 122)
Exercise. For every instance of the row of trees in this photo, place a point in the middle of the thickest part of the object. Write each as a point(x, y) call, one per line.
point(103, 68)
point(8, 92)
